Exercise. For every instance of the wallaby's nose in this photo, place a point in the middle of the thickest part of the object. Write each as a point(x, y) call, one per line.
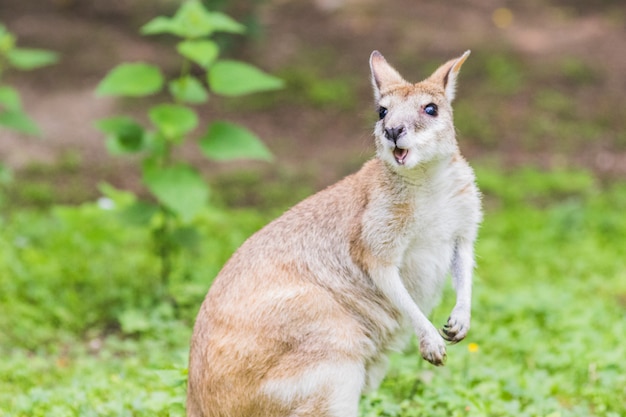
point(394, 133)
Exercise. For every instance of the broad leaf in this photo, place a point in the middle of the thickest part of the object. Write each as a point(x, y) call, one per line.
point(172, 120)
point(224, 23)
point(179, 188)
point(235, 78)
point(131, 79)
point(139, 213)
point(28, 58)
point(18, 121)
point(161, 24)
point(10, 98)
point(7, 40)
point(124, 134)
point(202, 52)
point(192, 20)
point(226, 141)
point(188, 89)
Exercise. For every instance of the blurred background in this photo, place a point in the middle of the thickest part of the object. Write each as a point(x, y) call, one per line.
point(544, 85)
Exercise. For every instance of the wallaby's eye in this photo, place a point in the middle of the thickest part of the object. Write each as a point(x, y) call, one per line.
point(382, 112)
point(431, 109)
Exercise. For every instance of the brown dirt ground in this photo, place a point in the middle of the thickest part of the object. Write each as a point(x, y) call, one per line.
point(92, 37)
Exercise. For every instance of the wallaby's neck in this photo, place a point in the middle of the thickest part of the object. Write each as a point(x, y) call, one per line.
point(419, 176)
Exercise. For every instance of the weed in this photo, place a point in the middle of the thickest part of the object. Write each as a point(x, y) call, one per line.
point(12, 115)
point(180, 191)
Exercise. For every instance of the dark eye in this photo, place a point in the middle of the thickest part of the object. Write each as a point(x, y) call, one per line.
point(382, 112)
point(431, 109)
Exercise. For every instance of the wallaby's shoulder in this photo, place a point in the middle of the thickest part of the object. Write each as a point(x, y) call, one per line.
point(344, 197)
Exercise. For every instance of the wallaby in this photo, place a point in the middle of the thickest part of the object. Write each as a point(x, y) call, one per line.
point(300, 320)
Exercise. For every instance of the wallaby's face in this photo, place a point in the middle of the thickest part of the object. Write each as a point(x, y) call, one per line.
point(415, 123)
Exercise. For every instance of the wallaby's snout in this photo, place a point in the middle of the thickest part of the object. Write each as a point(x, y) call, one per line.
point(394, 133)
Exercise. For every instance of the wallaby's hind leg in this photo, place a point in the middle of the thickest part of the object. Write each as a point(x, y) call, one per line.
point(192, 409)
point(325, 390)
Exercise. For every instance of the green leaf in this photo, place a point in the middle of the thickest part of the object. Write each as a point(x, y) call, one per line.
point(202, 52)
point(226, 141)
point(161, 24)
point(172, 120)
point(124, 134)
point(179, 188)
point(192, 20)
point(19, 121)
point(188, 89)
point(131, 79)
point(10, 98)
point(138, 213)
point(234, 78)
point(7, 40)
point(120, 198)
point(28, 58)
point(224, 23)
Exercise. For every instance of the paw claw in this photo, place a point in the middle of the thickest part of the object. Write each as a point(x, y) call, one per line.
point(455, 329)
point(433, 348)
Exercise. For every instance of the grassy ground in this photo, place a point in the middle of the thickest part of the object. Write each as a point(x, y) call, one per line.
point(80, 337)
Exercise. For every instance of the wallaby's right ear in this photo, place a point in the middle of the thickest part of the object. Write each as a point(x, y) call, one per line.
point(446, 75)
point(384, 76)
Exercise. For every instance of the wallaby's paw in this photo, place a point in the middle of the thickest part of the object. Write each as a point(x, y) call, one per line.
point(433, 348)
point(457, 327)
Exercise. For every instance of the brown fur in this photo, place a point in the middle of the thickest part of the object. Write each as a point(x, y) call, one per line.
point(300, 319)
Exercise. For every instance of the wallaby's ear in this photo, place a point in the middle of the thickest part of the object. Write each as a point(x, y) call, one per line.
point(446, 75)
point(384, 76)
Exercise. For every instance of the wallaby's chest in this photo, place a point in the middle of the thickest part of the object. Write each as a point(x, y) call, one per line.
point(425, 241)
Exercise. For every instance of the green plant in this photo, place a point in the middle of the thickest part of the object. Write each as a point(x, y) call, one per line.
point(12, 115)
point(177, 186)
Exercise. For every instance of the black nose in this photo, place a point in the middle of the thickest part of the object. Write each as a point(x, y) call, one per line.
point(394, 133)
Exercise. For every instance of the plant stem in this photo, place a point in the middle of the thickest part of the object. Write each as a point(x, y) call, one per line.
point(164, 248)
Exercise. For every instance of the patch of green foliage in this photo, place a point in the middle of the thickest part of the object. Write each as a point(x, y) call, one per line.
point(81, 269)
point(41, 185)
point(12, 114)
point(85, 331)
point(178, 188)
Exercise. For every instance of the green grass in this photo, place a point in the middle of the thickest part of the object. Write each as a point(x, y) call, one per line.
point(84, 330)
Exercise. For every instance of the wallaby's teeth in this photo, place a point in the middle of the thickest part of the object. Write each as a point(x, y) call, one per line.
point(400, 155)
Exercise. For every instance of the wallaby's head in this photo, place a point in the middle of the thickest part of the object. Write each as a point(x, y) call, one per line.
point(415, 123)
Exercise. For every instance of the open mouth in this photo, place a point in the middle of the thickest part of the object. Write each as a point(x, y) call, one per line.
point(400, 155)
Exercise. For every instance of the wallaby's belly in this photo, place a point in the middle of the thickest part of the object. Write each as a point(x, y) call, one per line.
point(424, 273)
point(428, 256)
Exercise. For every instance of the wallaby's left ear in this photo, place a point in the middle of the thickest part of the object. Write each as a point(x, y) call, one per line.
point(446, 75)
point(384, 76)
